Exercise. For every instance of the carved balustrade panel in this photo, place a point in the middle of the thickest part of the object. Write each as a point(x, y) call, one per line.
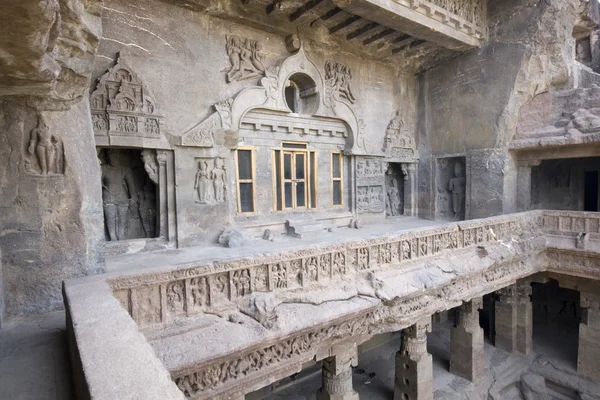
point(218, 286)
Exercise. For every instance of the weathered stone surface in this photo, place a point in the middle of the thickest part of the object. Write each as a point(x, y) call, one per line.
point(51, 223)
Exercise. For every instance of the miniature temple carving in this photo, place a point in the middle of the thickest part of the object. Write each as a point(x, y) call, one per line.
point(398, 144)
point(45, 152)
point(121, 105)
point(245, 58)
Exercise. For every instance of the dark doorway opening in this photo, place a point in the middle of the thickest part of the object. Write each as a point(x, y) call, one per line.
point(590, 202)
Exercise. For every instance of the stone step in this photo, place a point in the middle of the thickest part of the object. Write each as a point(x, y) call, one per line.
point(299, 227)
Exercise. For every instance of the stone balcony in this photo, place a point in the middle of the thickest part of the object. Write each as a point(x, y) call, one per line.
point(221, 329)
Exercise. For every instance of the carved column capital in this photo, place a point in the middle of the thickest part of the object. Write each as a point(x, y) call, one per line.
point(161, 156)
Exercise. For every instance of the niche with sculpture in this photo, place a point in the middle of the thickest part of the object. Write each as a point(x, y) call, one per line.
point(44, 154)
point(129, 193)
point(394, 184)
point(451, 183)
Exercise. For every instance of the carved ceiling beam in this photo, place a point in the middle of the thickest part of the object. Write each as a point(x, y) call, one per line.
point(398, 15)
point(303, 9)
point(362, 30)
point(331, 13)
point(401, 45)
point(378, 36)
point(344, 24)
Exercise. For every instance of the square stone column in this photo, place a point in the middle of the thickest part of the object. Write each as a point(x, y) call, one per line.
point(337, 376)
point(513, 315)
point(414, 366)
point(466, 343)
point(410, 189)
point(588, 355)
point(524, 183)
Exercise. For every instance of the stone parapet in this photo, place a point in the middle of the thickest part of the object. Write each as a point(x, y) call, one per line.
point(227, 328)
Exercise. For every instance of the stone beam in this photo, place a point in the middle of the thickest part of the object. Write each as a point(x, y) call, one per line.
point(418, 19)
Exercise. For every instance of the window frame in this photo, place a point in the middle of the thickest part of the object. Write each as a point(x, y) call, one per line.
point(310, 179)
point(252, 181)
point(338, 179)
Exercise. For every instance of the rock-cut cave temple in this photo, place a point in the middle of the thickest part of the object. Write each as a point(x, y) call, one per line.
point(301, 199)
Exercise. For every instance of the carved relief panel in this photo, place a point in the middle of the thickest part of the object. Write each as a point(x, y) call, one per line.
point(121, 105)
point(245, 58)
point(337, 82)
point(370, 189)
point(45, 152)
point(210, 184)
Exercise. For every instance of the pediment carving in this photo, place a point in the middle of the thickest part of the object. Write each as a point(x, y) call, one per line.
point(124, 111)
point(398, 144)
point(334, 99)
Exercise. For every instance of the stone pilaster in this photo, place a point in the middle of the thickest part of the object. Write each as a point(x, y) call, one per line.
point(524, 183)
point(410, 189)
point(513, 316)
point(466, 344)
point(588, 356)
point(414, 366)
point(337, 376)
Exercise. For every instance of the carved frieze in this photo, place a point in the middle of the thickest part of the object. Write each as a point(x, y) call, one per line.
point(245, 365)
point(245, 58)
point(211, 181)
point(122, 105)
point(45, 152)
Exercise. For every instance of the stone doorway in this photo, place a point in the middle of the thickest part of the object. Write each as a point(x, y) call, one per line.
point(129, 194)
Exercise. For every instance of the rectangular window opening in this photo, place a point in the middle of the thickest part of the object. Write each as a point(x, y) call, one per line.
point(590, 197)
point(245, 180)
point(337, 185)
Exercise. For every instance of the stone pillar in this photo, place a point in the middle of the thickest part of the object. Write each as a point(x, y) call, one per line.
point(466, 343)
point(410, 189)
point(588, 356)
point(440, 317)
point(524, 317)
point(513, 316)
point(337, 376)
point(414, 366)
point(51, 223)
point(524, 183)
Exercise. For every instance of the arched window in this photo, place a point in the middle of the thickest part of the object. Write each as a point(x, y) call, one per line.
point(301, 94)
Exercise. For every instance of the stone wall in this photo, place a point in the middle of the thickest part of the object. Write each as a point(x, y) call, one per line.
point(472, 102)
point(50, 209)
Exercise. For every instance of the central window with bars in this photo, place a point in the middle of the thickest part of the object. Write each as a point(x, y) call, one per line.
point(295, 177)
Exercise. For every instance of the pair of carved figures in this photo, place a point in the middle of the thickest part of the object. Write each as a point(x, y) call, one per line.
point(245, 58)
point(338, 77)
point(46, 149)
point(120, 195)
point(211, 181)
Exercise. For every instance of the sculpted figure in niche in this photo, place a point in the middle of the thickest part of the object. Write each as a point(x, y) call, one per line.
point(218, 177)
point(245, 58)
point(118, 192)
point(47, 150)
point(393, 197)
point(202, 184)
point(457, 188)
